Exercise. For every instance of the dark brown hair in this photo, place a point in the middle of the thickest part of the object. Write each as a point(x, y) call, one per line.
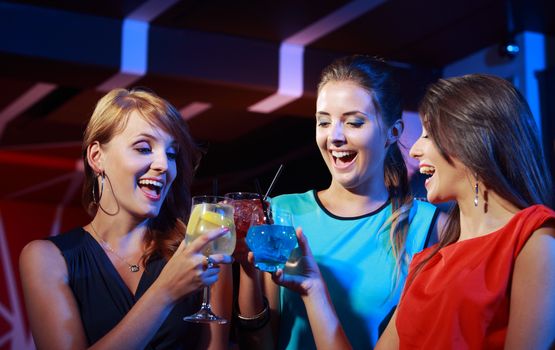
point(485, 123)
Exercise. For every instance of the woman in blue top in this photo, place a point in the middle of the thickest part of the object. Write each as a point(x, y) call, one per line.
point(363, 229)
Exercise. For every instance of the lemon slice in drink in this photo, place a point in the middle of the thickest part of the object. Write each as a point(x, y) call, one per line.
point(194, 218)
point(216, 219)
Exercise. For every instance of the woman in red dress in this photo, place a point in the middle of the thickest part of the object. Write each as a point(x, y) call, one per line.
point(489, 283)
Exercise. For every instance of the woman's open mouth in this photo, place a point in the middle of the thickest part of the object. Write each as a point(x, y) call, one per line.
point(342, 159)
point(151, 188)
point(427, 170)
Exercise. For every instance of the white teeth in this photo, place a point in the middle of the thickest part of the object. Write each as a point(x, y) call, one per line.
point(427, 170)
point(338, 154)
point(151, 183)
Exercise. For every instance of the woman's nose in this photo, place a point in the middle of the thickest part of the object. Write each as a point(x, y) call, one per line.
point(337, 135)
point(160, 162)
point(415, 151)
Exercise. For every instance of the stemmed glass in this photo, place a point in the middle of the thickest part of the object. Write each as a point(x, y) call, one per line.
point(210, 213)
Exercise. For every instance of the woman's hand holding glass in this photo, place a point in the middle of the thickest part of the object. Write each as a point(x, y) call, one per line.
point(187, 272)
point(271, 237)
point(301, 272)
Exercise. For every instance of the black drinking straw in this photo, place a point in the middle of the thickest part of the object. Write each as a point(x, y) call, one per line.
point(215, 186)
point(264, 206)
point(276, 176)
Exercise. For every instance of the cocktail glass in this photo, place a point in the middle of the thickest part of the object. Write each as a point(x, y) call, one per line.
point(271, 237)
point(210, 213)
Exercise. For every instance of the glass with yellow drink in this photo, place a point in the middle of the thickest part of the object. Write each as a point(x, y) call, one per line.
point(210, 213)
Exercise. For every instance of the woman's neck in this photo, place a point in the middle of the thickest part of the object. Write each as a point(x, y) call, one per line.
point(491, 214)
point(118, 227)
point(352, 202)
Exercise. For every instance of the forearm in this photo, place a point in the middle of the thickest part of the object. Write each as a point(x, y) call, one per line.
point(221, 300)
point(250, 299)
point(251, 303)
point(326, 328)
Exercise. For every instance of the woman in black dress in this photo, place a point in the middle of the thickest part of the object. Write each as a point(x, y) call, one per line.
point(125, 280)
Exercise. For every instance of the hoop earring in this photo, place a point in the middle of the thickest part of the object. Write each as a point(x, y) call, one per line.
point(95, 201)
point(112, 191)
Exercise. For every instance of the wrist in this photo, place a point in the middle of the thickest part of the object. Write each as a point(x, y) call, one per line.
point(315, 289)
point(250, 296)
point(162, 294)
point(166, 292)
point(255, 322)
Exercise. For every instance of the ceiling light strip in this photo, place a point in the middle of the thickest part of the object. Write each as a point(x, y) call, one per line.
point(134, 44)
point(535, 52)
point(291, 53)
point(333, 21)
point(23, 102)
point(193, 109)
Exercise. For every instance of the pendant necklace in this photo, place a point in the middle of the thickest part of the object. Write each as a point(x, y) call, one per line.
point(108, 247)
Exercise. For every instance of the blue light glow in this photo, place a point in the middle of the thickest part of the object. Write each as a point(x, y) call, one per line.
point(134, 47)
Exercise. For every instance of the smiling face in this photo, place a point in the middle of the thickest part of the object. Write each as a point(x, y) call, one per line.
point(446, 181)
point(349, 134)
point(140, 164)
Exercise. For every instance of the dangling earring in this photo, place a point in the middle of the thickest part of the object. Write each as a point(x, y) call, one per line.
point(476, 192)
point(95, 201)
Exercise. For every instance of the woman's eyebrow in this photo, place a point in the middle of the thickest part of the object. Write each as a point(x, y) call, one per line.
point(350, 113)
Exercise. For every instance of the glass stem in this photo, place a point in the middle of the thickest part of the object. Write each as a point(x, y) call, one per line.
point(206, 299)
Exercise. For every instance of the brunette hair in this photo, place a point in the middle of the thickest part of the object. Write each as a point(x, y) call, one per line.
point(486, 124)
point(109, 118)
point(376, 76)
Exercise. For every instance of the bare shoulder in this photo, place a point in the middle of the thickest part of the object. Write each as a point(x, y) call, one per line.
point(547, 229)
point(41, 258)
point(531, 321)
point(49, 300)
point(544, 233)
point(543, 237)
point(540, 247)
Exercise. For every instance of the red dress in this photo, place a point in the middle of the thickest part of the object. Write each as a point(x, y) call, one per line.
point(460, 299)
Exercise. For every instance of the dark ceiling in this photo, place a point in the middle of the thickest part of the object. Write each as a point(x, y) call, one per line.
point(55, 56)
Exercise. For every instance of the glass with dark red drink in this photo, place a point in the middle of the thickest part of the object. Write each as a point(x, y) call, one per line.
point(244, 204)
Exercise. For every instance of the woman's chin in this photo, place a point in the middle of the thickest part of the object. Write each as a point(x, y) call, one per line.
point(149, 213)
point(349, 183)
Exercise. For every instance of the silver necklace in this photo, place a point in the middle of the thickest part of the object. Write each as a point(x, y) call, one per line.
point(106, 246)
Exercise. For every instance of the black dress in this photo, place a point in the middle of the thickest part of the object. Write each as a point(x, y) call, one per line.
point(104, 299)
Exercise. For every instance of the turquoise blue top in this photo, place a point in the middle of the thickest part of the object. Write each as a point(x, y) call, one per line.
point(357, 264)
